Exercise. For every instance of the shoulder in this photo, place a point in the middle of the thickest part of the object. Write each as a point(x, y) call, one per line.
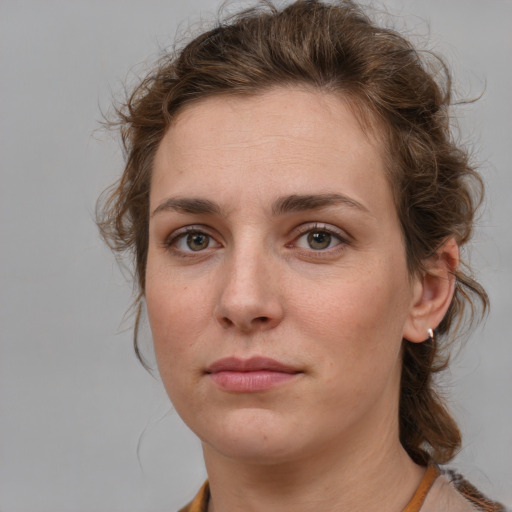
point(450, 492)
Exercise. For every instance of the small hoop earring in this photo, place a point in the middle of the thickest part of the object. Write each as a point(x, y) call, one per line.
point(430, 333)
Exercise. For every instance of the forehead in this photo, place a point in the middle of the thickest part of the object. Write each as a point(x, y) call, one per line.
point(293, 138)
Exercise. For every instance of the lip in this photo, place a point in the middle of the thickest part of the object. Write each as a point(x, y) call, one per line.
point(250, 375)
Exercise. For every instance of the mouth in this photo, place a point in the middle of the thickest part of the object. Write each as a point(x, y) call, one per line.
point(250, 375)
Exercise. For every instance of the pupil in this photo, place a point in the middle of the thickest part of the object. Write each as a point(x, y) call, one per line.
point(197, 241)
point(319, 240)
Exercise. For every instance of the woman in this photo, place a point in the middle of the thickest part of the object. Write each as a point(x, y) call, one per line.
point(296, 206)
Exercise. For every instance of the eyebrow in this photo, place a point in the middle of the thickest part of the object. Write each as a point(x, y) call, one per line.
point(191, 205)
point(298, 203)
point(283, 205)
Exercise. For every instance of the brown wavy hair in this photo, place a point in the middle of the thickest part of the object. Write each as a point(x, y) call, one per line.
point(332, 47)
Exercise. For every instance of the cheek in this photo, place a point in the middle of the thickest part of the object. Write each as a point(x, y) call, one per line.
point(174, 324)
point(358, 323)
point(177, 318)
point(350, 306)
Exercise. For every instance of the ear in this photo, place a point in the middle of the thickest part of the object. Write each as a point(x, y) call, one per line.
point(432, 292)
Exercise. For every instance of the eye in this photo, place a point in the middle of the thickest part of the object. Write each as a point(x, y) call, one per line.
point(196, 241)
point(318, 238)
point(190, 240)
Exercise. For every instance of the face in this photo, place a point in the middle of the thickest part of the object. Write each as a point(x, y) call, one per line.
point(276, 287)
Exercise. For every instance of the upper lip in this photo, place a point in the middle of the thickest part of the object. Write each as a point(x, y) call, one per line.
point(253, 364)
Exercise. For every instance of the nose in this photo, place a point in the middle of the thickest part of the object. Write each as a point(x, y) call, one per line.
point(249, 296)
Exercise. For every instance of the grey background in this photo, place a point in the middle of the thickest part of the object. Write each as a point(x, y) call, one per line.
point(82, 426)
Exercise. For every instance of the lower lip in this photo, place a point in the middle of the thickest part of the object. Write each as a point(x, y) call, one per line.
point(250, 382)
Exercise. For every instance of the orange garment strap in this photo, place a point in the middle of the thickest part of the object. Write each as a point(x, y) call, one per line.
point(200, 502)
point(421, 492)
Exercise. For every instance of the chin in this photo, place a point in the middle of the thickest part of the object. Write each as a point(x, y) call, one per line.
point(255, 436)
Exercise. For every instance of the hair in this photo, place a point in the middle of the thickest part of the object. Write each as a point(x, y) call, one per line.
point(332, 47)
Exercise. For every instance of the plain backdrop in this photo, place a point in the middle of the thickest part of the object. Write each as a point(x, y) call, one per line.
point(82, 426)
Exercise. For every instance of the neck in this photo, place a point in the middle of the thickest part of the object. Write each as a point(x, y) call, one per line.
point(370, 477)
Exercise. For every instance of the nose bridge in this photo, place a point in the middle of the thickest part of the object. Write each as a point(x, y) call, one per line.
point(248, 297)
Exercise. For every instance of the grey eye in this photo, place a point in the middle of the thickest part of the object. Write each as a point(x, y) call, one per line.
point(319, 240)
point(197, 241)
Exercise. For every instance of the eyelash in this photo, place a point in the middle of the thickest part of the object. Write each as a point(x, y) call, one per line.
point(300, 232)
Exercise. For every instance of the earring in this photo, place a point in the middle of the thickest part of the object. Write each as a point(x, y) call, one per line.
point(430, 333)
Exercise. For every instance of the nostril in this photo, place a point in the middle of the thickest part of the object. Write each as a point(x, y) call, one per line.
point(260, 320)
point(226, 322)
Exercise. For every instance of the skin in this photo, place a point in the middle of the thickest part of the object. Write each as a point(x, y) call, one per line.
point(258, 283)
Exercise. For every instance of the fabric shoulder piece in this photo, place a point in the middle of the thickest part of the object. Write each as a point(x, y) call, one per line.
point(473, 495)
point(452, 493)
point(200, 502)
